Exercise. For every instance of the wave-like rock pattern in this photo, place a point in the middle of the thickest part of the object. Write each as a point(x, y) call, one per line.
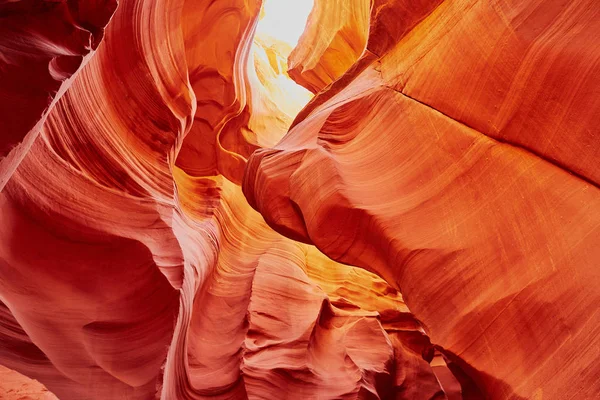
point(43, 44)
point(131, 265)
point(450, 154)
point(458, 160)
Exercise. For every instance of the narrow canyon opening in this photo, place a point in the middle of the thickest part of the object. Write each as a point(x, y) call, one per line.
point(279, 27)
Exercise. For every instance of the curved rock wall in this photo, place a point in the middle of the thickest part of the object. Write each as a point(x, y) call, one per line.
point(447, 163)
point(459, 162)
point(43, 45)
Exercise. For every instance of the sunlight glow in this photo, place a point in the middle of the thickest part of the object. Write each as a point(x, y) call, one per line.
point(284, 19)
point(277, 99)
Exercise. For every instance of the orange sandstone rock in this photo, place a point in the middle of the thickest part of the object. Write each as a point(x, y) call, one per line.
point(426, 229)
point(131, 264)
point(460, 164)
point(14, 386)
point(335, 37)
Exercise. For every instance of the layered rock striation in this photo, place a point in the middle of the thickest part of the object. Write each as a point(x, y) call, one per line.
point(177, 223)
point(458, 160)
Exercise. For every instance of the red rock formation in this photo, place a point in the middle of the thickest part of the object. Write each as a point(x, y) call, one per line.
point(43, 44)
point(442, 152)
point(459, 161)
point(132, 265)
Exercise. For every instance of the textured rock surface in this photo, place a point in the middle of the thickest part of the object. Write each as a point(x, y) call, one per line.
point(14, 386)
point(42, 46)
point(459, 161)
point(132, 265)
point(450, 154)
point(332, 42)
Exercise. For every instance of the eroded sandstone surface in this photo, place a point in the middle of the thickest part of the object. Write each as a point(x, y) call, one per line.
point(180, 220)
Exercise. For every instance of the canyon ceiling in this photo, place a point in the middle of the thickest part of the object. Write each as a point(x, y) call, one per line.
point(404, 204)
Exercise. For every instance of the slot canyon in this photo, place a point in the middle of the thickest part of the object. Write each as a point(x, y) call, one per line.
point(299, 199)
